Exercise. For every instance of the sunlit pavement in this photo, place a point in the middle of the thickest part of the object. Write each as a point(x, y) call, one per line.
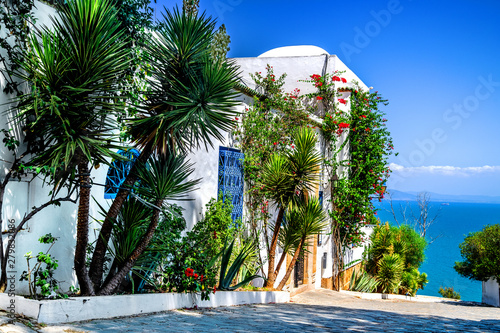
point(312, 311)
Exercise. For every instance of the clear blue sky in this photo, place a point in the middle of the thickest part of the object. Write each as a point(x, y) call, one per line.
point(438, 63)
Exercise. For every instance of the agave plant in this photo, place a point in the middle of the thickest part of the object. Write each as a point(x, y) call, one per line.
point(363, 282)
point(227, 275)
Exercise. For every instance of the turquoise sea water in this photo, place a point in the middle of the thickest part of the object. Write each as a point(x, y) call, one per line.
point(453, 224)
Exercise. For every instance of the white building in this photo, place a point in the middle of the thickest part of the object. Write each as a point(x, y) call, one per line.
point(299, 62)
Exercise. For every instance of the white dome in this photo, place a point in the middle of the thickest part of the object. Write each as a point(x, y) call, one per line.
point(294, 51)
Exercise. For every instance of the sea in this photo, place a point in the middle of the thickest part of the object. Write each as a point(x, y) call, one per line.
point(455, 220)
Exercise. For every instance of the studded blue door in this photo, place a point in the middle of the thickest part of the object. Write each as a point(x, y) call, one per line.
point(118, 171)
point(231, 178)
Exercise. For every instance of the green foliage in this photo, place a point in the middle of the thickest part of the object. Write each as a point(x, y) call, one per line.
point(41, 275)
point(394, 257)
point(363, 282)
point(448, 292)
point(217, 227)
point(481, 257)
point(227, 276)
point(176, 263)
point(188, 253)
point(197, 251)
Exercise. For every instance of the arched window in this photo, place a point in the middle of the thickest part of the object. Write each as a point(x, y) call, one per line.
point(118, 171)
point(231, 178)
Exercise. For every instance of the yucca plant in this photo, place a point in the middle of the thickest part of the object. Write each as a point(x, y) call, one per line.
point(72, 71)
point(390, 270)
point(286, 176)
point(304, 220)
point(190, 102)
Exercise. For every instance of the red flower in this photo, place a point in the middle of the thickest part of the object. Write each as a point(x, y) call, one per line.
point(344, 80)
point(215, 234)
point(215, 289)
point(195, 276)
point(293, 146)
point(335, 78)
point(319, 98)
point(275, 143)
point(201, 278)
point(315, 77)
point(363, 116)
point(343, 101)
point(189, 272)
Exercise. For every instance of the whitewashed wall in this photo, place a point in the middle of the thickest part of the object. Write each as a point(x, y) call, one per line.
point(491, 292)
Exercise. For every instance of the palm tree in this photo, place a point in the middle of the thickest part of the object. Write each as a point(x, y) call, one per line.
point(285, 177)
point(303, 222)
point(190, 102)
point(72, 105)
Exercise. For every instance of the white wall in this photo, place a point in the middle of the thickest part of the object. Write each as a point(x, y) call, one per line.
point(491, 292)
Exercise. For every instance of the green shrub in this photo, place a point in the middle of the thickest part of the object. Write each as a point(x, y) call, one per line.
point(394, 257)
point(448, 292)
point(481, 254)
point(216, 227)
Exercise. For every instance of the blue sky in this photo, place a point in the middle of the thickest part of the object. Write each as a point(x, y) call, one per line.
point(436, 61)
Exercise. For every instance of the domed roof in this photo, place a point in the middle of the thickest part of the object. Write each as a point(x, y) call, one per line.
point(294, 51)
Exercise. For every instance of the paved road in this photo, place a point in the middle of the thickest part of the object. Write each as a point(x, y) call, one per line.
point(312, 311)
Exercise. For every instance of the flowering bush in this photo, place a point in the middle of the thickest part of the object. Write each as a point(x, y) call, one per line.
point(266, 128)
point(354, 132)
point(360, 174)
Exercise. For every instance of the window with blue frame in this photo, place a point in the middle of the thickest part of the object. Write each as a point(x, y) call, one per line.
point(118, 171)
point(230, 182)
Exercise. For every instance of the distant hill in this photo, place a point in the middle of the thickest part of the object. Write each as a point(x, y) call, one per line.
point(436, 197)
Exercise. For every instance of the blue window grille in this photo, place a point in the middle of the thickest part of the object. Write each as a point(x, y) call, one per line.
point(118, 171)
point(231, 180)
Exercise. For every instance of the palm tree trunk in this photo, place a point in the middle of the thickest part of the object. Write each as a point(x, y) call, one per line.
point(290, 266)
point(127, 265)
point(280, 262)
point(271, 276)
point(97, 264)
point(82, 230)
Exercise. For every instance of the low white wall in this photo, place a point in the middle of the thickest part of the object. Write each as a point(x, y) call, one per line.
point(491, 292)
point(100, 307)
